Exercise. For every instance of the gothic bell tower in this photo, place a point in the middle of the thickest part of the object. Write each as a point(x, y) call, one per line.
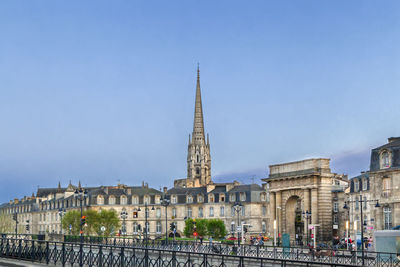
point(198, 159)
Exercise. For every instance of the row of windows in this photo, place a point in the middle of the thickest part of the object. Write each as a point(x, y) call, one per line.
point(211, 198)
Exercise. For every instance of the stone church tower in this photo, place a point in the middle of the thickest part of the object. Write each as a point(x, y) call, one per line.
point(199, 159)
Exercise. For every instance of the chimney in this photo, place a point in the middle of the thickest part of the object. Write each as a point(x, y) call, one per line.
point(392, 139)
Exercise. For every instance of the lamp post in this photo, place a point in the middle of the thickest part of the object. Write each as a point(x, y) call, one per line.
point(362, 220)
point(61, 213)
point(146, 228)
point(165, 203)
point(124, 216)
point(307, 216)
point(81, 195)
point(238, 207)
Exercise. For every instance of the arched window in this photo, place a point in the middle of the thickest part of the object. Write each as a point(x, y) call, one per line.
point(242, 196)
point(135, 200)
point(100, 200)
point(221, 197)
point(146, 200)
point(385, 160)
point(189, 199)
point(200, 198)
point(124, 200)
point(211, 198)
point(111, 200)
point(197, 170)
point(263, 196)
point(232, 197)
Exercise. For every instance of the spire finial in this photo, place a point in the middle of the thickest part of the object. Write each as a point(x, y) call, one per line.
point(198, 71)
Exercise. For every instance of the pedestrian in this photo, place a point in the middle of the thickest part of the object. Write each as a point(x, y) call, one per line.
point(201, 240)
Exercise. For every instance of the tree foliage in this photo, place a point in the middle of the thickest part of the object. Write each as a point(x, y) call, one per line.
point(204, 227)
point(7, 224)
point(216, 228)
point(94, 221)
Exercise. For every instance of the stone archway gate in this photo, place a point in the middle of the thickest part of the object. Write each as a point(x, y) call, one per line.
point(311, 181)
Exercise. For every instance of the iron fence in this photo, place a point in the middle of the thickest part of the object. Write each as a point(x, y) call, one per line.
point(73, 254)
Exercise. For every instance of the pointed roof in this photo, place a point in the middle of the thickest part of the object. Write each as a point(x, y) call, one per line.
point(59, 190)
point(198, 124)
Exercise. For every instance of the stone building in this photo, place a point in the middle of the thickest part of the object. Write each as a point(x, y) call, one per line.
point(301, 186)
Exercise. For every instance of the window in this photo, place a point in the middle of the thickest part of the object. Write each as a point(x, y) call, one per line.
point(263, 197)
point(385, 160)
point(365, 203)
point(189, 212)
point(100, 200)
point(146, 200)
point(222, 211)
point(264, 211)
point(200, 198)
point(211, 211)
point(232, 227)
point(232, 197)
point(335, 219)
point(135, 200)
point(174, 212)
point(356, 186)
point(386, 187)
point(357, 203)
point(365, 184)
point(197, 171)
point(158, 199)
point(243, 211)
point(158, 213)
point(335, 206)
point(211, 198)
point(158, 227)
point(200, 212)
point(124, 200)
point(242, 197)
point(111, 200)
point(189, 199)
point(173, 199)
point(135, 228)
point(264, 227)
point(222, 197)
point(387, 213)
point(232, 211)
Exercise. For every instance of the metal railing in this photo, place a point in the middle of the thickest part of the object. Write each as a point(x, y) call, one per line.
point(72, 254)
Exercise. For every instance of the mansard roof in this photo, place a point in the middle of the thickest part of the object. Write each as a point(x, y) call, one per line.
point(246, 188)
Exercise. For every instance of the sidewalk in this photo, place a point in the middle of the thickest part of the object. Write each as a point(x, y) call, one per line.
point(17, 263)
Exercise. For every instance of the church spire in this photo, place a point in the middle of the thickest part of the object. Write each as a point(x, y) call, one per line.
point(198, 124)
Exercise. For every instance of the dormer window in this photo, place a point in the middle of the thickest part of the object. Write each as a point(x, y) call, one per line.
point(385, 159)
point(111, 200)
point(242, 196)
point(158, 199)
point(232, 198)
point(211, 198)
point(124, 200)
point(100, 200)
point(146, 200)
point(356, 186)
point(135, 200)
point(200, 198)
point(189, 199)
point(263, 197)
point(173, 199)
point(222, 197)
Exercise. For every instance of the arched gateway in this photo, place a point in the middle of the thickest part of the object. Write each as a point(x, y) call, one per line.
point(301, 186)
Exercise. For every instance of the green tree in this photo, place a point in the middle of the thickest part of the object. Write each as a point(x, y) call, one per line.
point(216, 228)
point(188, 230)
point(7, 224)
point(71, 218)
point(201, 227)
point(110, 220)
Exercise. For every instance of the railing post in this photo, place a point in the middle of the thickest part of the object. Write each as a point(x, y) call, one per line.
point(122, 257)
point(63, 254)
point(33, 251)
point(47, 252)
point(100, 256)
point(19, 248)
point(258, 251)
point(81, 254)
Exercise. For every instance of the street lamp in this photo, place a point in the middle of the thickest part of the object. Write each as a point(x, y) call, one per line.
point(124, 216)
point(165, 203)
point(362, 220)
point(307, 216)
point(146, 228)
point(61, 213)
point(81, 195)
point(238, 207)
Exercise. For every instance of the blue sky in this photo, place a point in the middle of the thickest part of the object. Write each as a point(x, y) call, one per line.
point(103, 91)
